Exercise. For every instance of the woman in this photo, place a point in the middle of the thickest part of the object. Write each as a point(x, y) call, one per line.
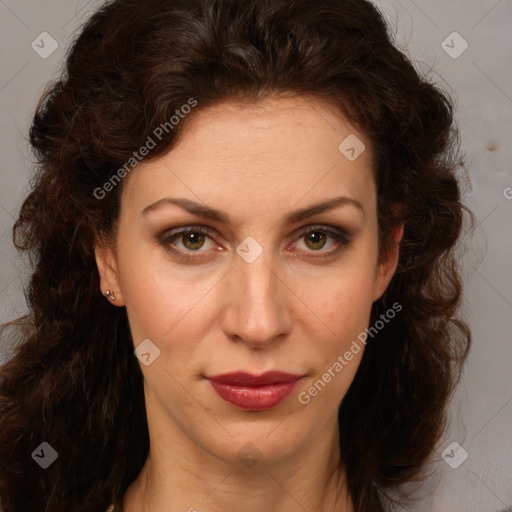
point(266, 196)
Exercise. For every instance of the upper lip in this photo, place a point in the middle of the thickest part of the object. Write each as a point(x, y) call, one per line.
point(249, 379)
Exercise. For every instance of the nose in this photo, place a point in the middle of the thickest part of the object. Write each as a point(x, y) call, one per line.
point(258, 300)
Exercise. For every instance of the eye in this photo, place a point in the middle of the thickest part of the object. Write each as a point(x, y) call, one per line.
point(193, 240)
point(316, 238)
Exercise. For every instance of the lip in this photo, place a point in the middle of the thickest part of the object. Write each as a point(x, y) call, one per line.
point(254, 392)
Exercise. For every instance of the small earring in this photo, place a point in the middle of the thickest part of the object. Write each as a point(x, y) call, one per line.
point(110, 295)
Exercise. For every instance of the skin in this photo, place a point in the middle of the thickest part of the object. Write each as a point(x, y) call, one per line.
point(218, 313)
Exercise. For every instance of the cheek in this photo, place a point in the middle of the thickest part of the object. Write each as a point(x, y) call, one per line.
point(172, 308)
point(347, 321)
point(345, 301)
point(344, 306)
point(150, 307)
point(335, 356)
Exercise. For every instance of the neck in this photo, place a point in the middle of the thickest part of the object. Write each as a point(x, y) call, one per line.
point(180, 477)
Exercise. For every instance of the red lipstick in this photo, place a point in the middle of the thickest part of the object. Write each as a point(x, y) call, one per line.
point(254, 392)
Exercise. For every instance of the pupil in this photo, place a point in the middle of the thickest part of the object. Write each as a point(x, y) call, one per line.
point(193, 239)
point(318, 236)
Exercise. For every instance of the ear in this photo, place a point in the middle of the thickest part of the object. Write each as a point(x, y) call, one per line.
point(107, 268)
point(386, 267)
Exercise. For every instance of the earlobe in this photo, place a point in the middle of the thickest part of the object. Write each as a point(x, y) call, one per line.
point(107, 270)
point(387, 267)
point(398, 234)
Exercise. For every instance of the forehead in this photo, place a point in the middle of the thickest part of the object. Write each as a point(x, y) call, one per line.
point(276, 126)
point(288, 147)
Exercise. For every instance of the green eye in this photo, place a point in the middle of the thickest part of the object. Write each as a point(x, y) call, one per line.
point(193, 239)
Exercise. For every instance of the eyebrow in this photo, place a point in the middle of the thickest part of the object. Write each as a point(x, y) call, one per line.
point(206, 212)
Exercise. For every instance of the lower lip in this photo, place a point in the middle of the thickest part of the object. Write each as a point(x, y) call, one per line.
point(255, 398)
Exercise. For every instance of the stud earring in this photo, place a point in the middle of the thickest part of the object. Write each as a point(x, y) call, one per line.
point(110, 295)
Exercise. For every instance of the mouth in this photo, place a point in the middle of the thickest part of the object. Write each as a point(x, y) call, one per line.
point(254, 392)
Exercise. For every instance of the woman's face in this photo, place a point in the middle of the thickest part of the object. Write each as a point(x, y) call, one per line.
point(270, 282)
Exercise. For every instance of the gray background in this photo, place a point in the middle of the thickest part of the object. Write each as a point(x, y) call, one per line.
point(480, 80)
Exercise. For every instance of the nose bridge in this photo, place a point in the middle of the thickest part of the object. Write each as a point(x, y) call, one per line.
point(256, 309)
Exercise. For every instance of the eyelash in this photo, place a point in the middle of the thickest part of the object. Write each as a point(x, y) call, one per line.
point(338, 235)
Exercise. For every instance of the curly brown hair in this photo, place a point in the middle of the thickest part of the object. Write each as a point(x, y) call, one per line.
point(73, 380)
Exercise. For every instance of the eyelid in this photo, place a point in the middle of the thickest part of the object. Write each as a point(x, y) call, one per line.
point(324, 228)
point(340, 235)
